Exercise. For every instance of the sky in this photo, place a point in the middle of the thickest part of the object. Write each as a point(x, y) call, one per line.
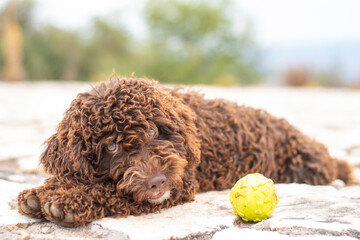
point(293, 22)
point(275, 22)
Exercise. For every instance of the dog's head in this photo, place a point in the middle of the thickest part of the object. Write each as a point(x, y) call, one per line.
point(133, 132)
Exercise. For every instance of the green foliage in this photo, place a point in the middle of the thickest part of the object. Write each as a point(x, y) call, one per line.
point(187, 42)
point(199, 44)
point(1, 51)
point(25, 12)
point(107, 49)
point(189, 22)
point(51, 53)
point(329, 79)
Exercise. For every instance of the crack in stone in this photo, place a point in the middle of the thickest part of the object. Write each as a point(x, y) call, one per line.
point(201, 235)
point(20, 177)
point(350, 149)
point(304, 231)
point(45, 230)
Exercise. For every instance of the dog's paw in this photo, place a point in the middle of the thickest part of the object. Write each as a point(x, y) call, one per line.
point(29, 204)
point(56, 213)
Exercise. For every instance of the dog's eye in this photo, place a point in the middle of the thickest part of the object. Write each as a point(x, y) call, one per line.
point(151, 133)
point(112, 147)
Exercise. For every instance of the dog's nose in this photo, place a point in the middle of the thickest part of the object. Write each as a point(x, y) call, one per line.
point(155, 183)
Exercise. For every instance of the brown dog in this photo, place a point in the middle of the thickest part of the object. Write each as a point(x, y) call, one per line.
point(131, 146)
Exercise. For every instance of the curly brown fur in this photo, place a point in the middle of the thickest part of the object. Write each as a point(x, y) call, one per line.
point(131, 146)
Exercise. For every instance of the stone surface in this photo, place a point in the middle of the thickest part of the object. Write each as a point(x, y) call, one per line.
point(29, 113)
point(303, 211)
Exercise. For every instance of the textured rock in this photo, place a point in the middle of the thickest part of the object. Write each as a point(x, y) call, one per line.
point(233, 232)
point(303, 210)
point(29, 114)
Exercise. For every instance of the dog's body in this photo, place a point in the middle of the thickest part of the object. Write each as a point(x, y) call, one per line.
point(134, 147)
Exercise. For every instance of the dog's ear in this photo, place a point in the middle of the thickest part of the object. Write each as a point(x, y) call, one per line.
point(65, 152)
point(66, 159)
point(193, 150)
point(52, 157)
point(192, 142)
point(186, 119)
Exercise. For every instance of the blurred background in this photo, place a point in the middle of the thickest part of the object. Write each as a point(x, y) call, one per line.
point(217, 42)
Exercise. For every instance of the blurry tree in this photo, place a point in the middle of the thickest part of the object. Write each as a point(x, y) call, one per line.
point(48, 52)
point(52, 53)
point(12, 44)
point(25, 11)
point(195, 41)
point(107, 49)
point(329, 78)
point(188, 42)
point(298, 76)
point(356, 85)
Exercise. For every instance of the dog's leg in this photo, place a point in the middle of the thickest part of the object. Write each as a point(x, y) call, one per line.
point(66, 203)
point(309, 164)
point(70, 203)
point(74, 206)
point(28, 203)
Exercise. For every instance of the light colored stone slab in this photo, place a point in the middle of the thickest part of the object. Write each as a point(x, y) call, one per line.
point(304, 211)
point(237, 233)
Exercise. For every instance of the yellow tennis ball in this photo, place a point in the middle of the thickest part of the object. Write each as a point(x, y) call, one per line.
point(254, 197)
